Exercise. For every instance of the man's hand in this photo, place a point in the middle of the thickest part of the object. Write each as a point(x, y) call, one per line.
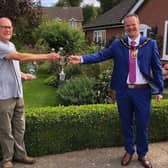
point(53, 56)
point(158, 98)
point(75, 59)
point(27, 76)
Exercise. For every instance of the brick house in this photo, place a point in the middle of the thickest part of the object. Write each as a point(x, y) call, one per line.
point(73, 15)
point(153, 15)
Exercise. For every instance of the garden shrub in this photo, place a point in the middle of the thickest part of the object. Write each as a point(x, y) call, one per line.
point(51, 80)
point(52, 130)
point(60, 34)
point(76, 91)
point(59, 129)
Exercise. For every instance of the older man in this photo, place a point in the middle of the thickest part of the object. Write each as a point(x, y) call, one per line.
point(12, 120)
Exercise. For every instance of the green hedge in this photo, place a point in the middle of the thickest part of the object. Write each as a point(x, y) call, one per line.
point(52, 130)
point(60, 129)
point(159, 122)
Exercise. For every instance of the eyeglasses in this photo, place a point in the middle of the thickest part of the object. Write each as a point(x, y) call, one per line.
point(5, 27)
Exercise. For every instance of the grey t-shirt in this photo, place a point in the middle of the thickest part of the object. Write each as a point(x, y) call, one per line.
point(10, 74)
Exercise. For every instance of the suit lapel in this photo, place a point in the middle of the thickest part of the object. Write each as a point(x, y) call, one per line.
point(126, 51)
point(141, 50)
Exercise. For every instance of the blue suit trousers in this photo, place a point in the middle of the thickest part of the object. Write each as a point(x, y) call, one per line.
point(134, 107)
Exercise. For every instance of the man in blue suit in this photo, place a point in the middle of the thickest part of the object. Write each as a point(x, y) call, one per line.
point(133, 94)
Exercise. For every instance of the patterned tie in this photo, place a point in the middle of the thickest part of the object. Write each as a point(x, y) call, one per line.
point(132, 65)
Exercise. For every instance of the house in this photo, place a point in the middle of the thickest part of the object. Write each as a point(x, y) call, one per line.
point(73, 15)
point(152, 13)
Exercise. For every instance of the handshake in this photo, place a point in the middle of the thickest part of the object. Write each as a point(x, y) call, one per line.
point(73, 59)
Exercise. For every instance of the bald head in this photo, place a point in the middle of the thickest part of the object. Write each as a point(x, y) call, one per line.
point(2, 19)
point(6, 29)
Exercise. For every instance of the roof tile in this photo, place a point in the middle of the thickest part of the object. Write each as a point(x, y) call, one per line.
point(114, 15)
point(63, 13)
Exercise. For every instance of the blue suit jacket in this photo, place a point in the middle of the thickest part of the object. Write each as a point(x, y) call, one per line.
point(148, 62)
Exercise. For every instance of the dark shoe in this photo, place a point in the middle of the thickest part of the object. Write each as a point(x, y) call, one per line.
point(26, 160)
point(126, 159)
point(7, 164)
point(145, 162)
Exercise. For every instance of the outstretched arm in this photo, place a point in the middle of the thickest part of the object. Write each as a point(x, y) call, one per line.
point(31, 57)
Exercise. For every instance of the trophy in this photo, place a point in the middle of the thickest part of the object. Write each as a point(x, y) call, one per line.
point(62, 63)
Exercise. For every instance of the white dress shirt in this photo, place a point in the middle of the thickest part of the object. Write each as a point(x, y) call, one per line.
point(139, 77)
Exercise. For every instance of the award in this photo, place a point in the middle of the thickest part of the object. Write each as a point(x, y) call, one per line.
point(62, 63)
point(134, 53)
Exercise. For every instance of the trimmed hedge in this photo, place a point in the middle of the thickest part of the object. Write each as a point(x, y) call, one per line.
point(60, 129)
point(159, 122)
point(52, 130)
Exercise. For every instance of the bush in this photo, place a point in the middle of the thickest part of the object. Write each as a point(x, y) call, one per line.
point(51, 80)
point(76, 91)
point(60, 34)
point(61, 129)
point(159, 121)
point(73, 71)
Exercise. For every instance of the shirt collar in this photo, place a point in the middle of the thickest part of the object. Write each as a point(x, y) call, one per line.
point(136, 40)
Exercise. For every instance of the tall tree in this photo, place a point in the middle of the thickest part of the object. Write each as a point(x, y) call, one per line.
point(89, 12)
point(25, 15)
point(108, 4)
point(61, 3)
point(69, 2)
point(75, 2)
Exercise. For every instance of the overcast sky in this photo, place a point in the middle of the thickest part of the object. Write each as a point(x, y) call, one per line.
point(52, 2)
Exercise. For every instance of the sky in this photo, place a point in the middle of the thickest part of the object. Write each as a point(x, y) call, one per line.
point(52, 2)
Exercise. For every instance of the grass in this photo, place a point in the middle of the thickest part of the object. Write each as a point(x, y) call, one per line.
point(37, 94)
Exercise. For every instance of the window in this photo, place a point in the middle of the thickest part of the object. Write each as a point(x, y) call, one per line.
point(73, 23)
point(145, 29)
point(99, 37)
point(165, 42)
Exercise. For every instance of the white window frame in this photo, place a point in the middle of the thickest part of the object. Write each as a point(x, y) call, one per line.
point(165, 42)
point(99, 35)
point(144, 29)
point(73, 23)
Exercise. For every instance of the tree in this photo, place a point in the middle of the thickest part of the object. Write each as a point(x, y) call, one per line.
point(108, 4)
point(75, 2)
point(89, 12)
point(25, 15)
point(60, 34)
point(69, 3)
point(60, 3)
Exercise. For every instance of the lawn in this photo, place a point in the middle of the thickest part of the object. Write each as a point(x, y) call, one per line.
point(37, 94)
